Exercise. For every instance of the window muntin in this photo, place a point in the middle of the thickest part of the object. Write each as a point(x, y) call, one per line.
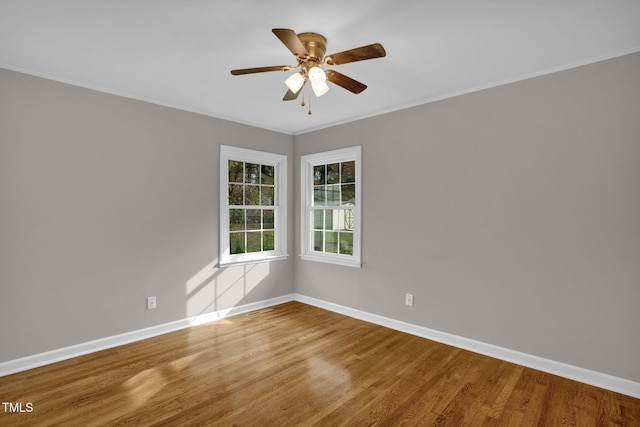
point(253, 209)
point(331, 209)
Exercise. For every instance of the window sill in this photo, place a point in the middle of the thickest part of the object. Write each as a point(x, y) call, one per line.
point(331, 260)
point(252, 261)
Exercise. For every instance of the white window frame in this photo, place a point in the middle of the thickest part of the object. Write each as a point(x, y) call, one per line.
point(279, 162)
point(307, 162)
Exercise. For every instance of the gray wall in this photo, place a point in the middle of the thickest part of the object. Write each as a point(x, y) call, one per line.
point(512, 215)
point(105, 201)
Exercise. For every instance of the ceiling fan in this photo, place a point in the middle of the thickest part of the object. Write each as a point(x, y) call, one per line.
point(309, 50)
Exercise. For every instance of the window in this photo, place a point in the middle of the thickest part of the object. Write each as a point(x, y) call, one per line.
point(252, 206)
point(331, 208)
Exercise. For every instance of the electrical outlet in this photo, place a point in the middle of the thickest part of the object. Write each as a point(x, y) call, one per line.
point(151, 303)
point(408, 300)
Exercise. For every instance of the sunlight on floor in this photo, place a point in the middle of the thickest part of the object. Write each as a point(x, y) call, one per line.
point(184, 362)
point(143, 386)
point(327, 375)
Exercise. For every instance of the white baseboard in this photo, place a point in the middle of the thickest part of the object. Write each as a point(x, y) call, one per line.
point(598, 379)
point(29, 362)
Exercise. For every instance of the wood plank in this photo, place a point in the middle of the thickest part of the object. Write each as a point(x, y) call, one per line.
point(301, 365)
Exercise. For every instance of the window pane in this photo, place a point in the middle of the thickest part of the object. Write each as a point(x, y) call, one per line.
point(268, 219)
point(251, 173)
point(328, 220)
point(236, 219)
point(318, 175)
point(235, 194)
point(236, 243)
point(317, 241)
point(333, 195)
point(266, 196)
point(346, 243)
point(333, 173)
point(339, 219)
point(253, 219)
point(251, 195)
point(254, 242)
point(318, 220)
point(348, 194)
point(268, 241)
point(319, 196)
point(236, 171)
point(348, 172)
point(331, 242)
point(266, 177)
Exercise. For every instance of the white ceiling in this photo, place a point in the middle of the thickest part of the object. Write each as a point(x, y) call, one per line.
point(179, 53)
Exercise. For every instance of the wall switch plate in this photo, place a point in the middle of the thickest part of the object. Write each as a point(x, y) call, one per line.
point(408, 300)
point(151, 303)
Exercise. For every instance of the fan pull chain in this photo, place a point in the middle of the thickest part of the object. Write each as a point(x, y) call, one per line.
point(303, 103)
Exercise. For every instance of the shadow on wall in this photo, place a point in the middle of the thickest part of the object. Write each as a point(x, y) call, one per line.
point(214, 288)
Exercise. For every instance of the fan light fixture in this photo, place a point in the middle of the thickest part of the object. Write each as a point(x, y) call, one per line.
point(318, 80)
point(320, 88)
point(295, 82)
point(317, 77)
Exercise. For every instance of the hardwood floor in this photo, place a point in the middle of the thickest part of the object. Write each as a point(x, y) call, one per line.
point(298, 365)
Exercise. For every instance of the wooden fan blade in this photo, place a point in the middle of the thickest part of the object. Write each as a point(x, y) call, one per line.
point(261, 69)
point(290, 39)
point(346, 82)
point(358, 54)
point(290, 95)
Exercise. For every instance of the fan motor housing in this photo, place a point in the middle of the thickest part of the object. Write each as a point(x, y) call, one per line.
point(315, 44)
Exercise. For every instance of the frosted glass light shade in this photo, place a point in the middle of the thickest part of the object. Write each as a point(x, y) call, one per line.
point(317, 75)
point(320, 88)
point(294, 82)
